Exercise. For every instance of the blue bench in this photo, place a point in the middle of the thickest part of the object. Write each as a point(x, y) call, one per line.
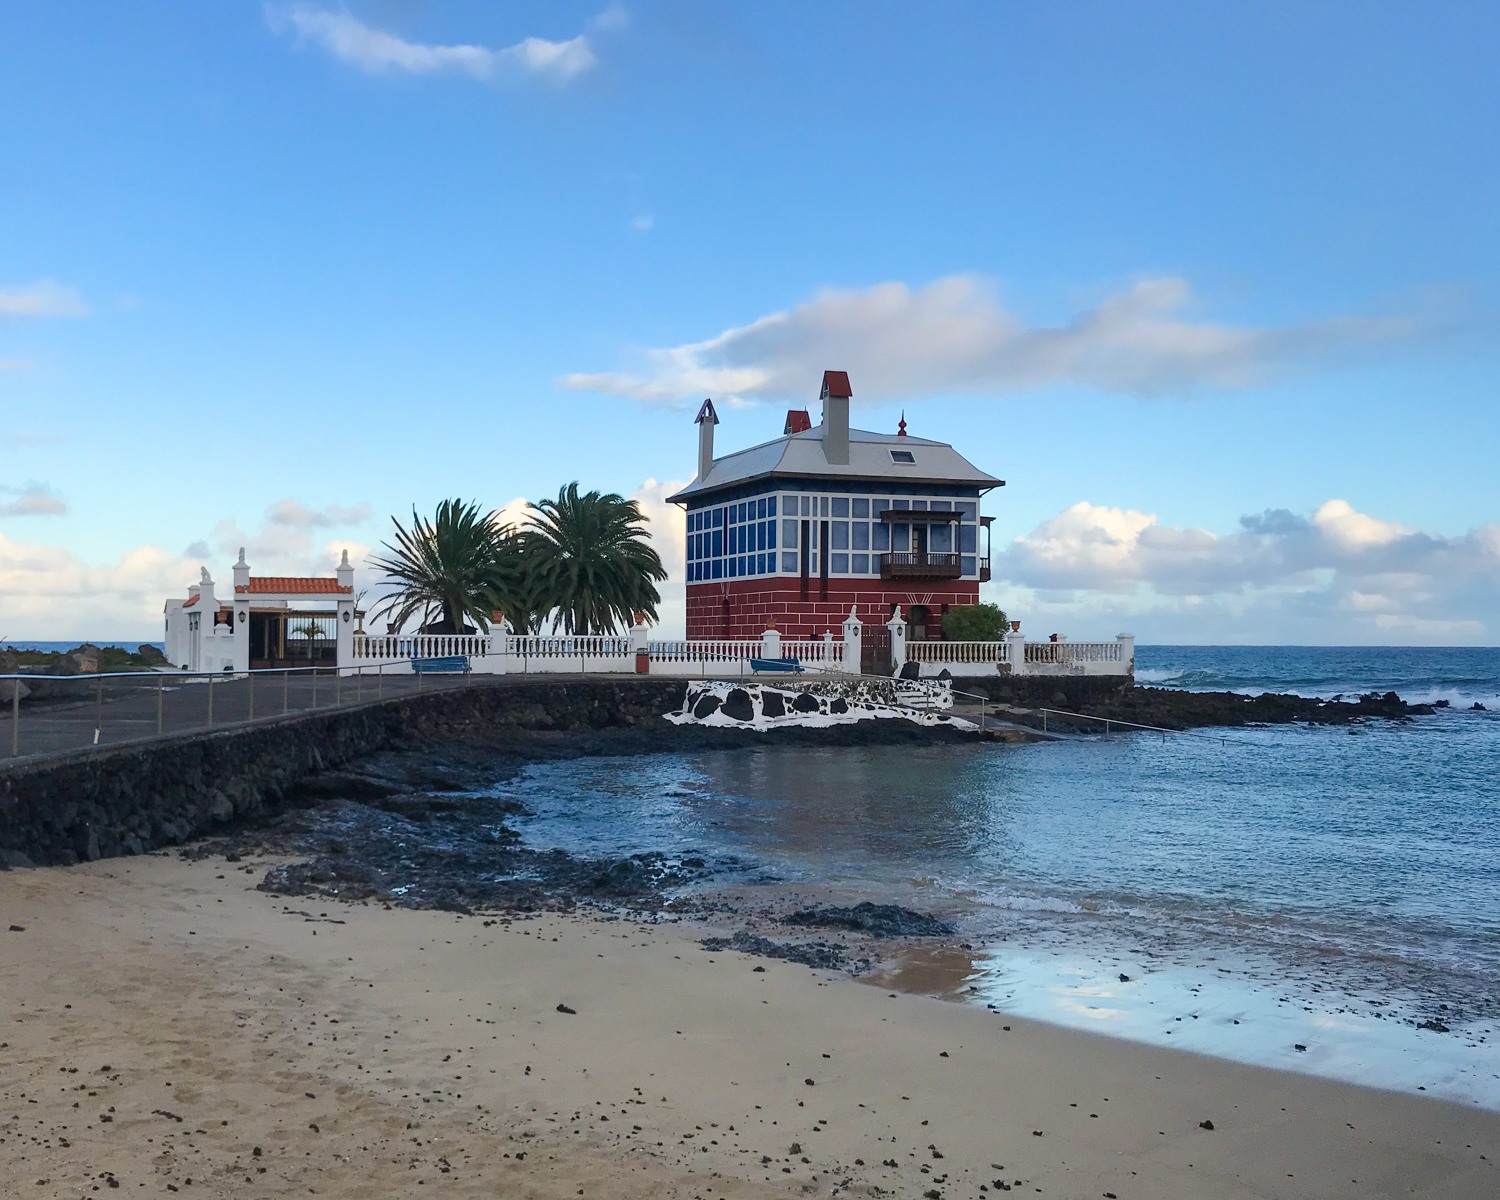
point(773, 665)
point(452, 664)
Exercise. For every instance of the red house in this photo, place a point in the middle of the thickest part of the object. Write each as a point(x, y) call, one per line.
point(799, 529)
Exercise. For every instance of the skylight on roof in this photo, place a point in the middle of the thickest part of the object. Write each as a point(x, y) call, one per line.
point(903, 456)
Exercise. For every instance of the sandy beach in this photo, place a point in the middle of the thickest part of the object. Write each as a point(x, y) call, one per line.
point(168, 1028)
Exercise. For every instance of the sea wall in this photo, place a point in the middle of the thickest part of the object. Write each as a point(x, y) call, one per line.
point(1070, 692)
point(108, 802)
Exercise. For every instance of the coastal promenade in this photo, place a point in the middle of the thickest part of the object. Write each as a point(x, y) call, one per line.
point(111, 711)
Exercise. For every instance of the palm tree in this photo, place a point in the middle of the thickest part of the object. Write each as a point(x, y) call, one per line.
point(460, 567)
point(591, 560)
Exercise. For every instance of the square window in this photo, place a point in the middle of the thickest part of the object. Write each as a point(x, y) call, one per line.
point(840, 531)
point(841, 506)
point(919, 506)
point(861, 536)
point(860, 563)
point(900, 504)
point(969, 509)
point(840, 564)
point(789, 561)
point(861, 508)
point(968, 566)
point(942, 506)
point(903, 456)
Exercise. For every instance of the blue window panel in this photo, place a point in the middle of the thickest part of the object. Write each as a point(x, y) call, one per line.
point(789, 561)
point(760, 563)
point(940, 539)
point(770, 535)
point(841, 506)
point(760, 509)
point(807, 506)
point(860, 563)
point(718, 545)
point(861, 508)
point(969, 509)
point(942, 506)
point(968, 539)
point(743, 539)
point(919, 505)
point(760, 536)
point(734, 568)
point(840, 531)
point(770, 506)
point(739, 512)
point(900, 538)
point(900, 503)
point(880, 537)
point(823, 506)
point(789, 535)
point(840, 564)
point(718, 568)
point(861, 539)
point(968, 566)
point(744, 566)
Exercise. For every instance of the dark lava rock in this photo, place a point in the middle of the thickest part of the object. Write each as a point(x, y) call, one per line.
point(824, 956)
point(772, 704)
point(1477, 707)
point(806, 702)
point(738, 705)
point(1434, 1025)
point(1206, 1125)
point(345, 785)
point(878, 920)
point(563, 1008)
point(706, 706)
point(838, 705)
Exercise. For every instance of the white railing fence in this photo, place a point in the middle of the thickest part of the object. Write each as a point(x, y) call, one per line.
point(507, 653)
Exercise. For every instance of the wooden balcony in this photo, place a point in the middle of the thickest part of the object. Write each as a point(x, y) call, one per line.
point(920, 565)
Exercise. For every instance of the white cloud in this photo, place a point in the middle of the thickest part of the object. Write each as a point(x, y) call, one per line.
point(33, 500)
point(45, 298)
point(1336, 575)
point(17, 364)
point(953, 335)
point(669, 540)
point(373, 50)
point(643, 223)
point(296, 515)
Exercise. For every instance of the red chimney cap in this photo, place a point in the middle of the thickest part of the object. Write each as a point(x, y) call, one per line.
point(797, 421)
point(836, 385)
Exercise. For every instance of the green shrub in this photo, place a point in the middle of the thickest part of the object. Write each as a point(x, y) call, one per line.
point(975, 623)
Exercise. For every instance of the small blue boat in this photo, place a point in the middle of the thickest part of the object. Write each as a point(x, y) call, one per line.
point(787, 665)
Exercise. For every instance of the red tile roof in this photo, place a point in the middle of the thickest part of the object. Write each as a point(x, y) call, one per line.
point(797, 421)
point(836, 384)
point(291, 585)
point(191, 600)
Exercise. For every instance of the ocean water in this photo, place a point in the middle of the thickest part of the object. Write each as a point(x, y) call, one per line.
point(1259, 890)
point(61, 646)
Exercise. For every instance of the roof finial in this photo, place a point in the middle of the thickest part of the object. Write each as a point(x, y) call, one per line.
point(901, 428)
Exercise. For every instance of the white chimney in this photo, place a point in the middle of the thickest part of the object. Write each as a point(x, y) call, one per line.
point(706, 421)
point(835, 396)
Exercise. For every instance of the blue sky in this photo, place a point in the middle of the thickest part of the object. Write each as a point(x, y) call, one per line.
point(271, 273)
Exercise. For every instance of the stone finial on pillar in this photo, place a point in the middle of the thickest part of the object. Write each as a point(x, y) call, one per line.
point(1015, 651)
point(345, 572)
point(770, 641)
point(241, 572)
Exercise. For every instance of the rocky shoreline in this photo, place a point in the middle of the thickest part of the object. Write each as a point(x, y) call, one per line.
point(1170, 708)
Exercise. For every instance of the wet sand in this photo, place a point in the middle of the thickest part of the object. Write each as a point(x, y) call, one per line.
point(164, 1027)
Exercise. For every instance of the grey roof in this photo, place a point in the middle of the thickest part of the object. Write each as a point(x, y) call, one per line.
point(800, 456)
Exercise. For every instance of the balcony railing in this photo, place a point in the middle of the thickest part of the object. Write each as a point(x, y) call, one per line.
point(920, 565)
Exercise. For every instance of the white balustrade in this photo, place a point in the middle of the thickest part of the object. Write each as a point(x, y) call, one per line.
point(1070, 653)
point(371, 647)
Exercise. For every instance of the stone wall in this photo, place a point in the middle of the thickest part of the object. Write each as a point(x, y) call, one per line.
point(1066, 692)
point(134, 799)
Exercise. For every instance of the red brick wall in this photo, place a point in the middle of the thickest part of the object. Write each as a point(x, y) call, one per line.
point(752, 602)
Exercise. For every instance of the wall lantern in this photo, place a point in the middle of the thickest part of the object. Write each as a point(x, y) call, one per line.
point(345, 615)
point(242, 616)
